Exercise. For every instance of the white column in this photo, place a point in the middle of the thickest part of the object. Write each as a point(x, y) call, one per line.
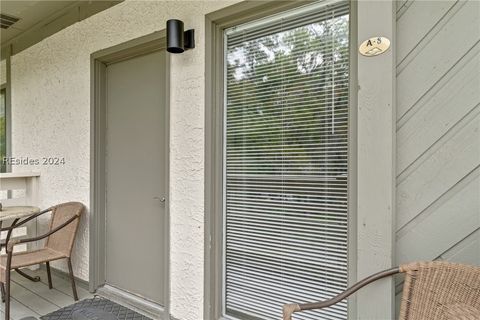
point(376, 160)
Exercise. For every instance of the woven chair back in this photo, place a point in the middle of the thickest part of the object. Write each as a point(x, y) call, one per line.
point(62, 240)
point(441, 291)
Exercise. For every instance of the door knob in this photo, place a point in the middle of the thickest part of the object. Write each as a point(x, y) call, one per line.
point(159, 199)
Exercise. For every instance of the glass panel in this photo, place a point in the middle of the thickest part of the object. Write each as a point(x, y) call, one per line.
point(286, 164)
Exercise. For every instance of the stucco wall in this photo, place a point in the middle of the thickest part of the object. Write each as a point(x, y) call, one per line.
point(51, 118)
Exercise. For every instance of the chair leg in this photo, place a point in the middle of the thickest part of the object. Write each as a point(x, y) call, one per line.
point(29, 277)
point(72, 279)
point(50, 286)
point(7, 294)
point(2, 290)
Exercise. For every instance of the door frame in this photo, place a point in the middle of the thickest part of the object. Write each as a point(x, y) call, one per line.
point(98, 66)
point(371, 201)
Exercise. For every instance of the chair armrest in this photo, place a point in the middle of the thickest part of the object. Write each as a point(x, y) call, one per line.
point(289, 309)
point(13, 243)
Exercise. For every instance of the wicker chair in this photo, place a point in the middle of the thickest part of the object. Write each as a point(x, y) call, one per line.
point(58, 245)
point(435, 290)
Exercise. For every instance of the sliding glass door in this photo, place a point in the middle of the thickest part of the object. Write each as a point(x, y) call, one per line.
point(286, 162)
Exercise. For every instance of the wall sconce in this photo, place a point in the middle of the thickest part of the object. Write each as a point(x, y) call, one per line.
point(178, 40)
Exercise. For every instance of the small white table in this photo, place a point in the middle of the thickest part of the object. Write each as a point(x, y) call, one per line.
point(17, 212)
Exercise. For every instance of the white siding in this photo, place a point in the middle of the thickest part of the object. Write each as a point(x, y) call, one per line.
point(438, 131)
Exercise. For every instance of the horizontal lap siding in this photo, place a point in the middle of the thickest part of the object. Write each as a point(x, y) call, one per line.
point(438, 131)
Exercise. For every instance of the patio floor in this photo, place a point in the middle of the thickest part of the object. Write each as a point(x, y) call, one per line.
point(35, 299)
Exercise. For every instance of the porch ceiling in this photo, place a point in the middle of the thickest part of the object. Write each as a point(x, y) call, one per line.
point(30, 13)
point(39, 19)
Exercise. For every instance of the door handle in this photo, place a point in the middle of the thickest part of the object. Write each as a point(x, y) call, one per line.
point(159, 199)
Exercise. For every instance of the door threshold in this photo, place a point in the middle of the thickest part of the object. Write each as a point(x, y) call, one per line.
point(136, 303)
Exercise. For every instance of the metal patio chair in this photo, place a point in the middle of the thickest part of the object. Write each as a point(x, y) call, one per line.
point(435, 290)
point(58, 245)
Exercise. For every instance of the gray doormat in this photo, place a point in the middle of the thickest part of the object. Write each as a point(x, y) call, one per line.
point(95, 309)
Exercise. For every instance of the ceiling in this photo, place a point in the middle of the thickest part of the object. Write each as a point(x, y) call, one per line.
point(39, 19)
point(30, 13)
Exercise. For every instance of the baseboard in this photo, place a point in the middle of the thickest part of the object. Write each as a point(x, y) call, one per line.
point(136, 303)
point(64, 275)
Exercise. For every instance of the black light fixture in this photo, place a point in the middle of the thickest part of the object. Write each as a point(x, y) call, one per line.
point(178, 40)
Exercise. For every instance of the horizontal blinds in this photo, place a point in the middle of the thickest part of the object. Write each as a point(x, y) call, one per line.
point(286, 163)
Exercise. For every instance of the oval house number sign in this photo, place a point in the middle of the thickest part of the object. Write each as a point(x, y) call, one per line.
point(374, 46)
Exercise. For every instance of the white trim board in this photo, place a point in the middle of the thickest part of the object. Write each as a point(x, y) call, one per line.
point(376, 161)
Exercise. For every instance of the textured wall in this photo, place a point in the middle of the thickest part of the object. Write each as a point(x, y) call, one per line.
point(51, 108)
point(438, 131)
